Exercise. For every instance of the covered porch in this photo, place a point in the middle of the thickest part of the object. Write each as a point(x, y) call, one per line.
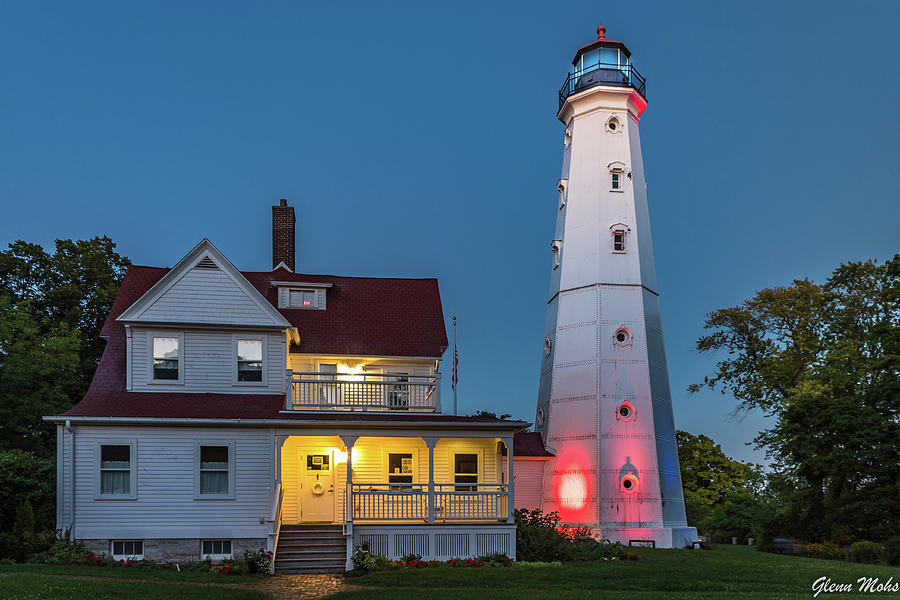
point(442, 494)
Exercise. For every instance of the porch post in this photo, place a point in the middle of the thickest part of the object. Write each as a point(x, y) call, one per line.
point(349, 441)
point(430, 442)
point(511, 517)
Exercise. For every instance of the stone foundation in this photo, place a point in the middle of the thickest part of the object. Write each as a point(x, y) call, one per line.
point(175, 549)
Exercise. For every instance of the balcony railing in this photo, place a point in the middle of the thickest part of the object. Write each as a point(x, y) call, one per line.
point(602, 74)
point(452, 502)
point(364, 392)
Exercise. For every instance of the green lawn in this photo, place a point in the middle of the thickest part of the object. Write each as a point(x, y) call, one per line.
point(727, 572)
point(46, 582)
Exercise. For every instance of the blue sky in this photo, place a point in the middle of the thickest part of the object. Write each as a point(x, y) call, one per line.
point(420, 139)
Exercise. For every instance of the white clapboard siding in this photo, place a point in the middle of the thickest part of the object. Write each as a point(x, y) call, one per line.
point(206, 296)
point(165, 506)
point(529, 481)
point(209, 362)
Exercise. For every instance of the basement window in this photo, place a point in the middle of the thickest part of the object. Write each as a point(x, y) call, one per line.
point(215, 549)
point(128, 549)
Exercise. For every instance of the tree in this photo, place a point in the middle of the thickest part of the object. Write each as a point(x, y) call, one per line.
point(708, 475)
point(489, 415)
point(52, 307)
point(823, 362)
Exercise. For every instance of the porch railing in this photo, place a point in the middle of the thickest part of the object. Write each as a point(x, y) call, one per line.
point(470, 501)
point(390, 501)
point(452, 502)
point(363, 392)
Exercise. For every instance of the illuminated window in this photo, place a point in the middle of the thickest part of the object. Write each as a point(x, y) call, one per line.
point(465, 470)
point(400, 469)
point(167, 366)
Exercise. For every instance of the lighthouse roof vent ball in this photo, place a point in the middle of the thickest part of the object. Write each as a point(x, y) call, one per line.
point(603, 403)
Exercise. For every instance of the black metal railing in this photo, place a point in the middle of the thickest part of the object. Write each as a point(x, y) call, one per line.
point(602, 74)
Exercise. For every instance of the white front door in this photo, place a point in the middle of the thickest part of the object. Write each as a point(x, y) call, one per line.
point(317, 491)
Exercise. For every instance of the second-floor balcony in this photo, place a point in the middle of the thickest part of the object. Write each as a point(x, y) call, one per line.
point(381, 392)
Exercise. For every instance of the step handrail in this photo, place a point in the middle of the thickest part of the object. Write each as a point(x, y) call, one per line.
point(273, 525)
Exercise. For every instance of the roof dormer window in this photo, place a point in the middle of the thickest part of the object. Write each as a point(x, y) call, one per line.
point(302, 298)
point(301, 295)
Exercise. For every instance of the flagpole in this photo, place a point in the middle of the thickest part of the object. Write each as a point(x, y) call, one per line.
point(454, 364)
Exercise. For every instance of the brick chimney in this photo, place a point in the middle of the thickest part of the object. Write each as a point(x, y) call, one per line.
point(283, 235)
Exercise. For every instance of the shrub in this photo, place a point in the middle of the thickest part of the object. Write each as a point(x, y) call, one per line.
point(408, 558)
point(259, 561)
point(64, 552)
point(362, 558)
point(865, 552)
point(24, 476)
point(826, 550)
point(23, 526)
point(892, 551)
point(537, 536)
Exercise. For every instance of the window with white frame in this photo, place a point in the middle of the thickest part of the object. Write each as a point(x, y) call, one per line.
point(125, 549)
point(215, 549)
point(116, 470)
point(616, 177)
point(215, 470)
point(400, 469)
point(167, 365)
point(249, 353)
point(465, 470)
point(618, 236)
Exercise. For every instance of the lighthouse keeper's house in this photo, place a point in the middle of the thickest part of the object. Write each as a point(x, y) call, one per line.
point(297, 413)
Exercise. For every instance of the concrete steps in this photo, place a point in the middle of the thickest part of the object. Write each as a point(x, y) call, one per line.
point(311, 548)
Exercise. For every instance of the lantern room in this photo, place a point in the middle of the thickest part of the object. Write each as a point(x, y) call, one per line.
point(602, 62)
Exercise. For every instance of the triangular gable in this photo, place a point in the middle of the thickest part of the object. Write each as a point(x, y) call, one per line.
point(206, 289)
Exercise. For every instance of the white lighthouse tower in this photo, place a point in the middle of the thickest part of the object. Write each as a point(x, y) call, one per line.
point(604, 405)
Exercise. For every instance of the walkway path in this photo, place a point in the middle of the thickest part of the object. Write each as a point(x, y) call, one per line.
point(304, 587)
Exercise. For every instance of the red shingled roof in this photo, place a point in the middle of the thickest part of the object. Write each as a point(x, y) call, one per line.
point(529, 444)
point(365, 317)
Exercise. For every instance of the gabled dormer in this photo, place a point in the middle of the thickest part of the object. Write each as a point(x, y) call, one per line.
point(203, 327)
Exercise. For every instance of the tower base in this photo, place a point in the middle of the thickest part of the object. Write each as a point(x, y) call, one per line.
point(657, 537)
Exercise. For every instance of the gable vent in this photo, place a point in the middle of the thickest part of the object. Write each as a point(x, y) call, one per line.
point(206, 263)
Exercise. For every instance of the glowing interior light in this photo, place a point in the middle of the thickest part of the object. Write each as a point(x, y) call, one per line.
point(340, 456)
point(348, 373)
point(307, 302)
point(573, 491)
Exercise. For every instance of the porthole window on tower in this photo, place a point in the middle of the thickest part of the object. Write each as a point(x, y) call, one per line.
point(625, 411)
point(622, 337)
point(613, 125)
